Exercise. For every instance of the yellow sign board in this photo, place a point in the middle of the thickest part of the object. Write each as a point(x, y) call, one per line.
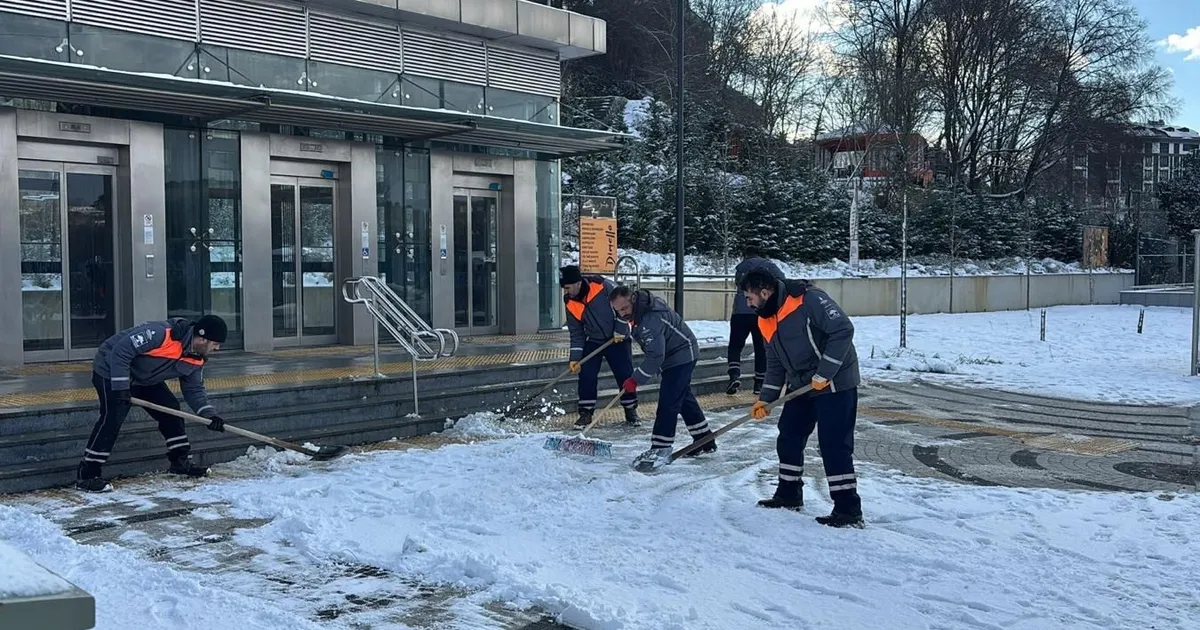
point(598, 245)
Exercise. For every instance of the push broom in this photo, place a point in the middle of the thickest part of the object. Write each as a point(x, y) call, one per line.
point(584, 445)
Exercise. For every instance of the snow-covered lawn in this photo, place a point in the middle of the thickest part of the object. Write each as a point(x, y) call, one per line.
point(1090, 352)
point(611, 549)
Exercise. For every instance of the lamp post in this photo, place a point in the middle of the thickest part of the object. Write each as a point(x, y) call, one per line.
point(679, 32)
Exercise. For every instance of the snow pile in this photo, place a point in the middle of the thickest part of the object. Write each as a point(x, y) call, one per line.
point(22, 577)
point(270, 460)
point(1090, 352)
point(607, 548)
point(132, 592)
point(485, 424)
point(664, 264)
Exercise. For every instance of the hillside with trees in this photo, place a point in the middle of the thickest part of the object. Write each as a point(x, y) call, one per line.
point(1007, 94)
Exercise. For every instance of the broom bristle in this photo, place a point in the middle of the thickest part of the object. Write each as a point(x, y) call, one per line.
point(579, 446)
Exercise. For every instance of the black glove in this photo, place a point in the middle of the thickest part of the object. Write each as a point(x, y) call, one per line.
point(216, 423)
point(120, 397)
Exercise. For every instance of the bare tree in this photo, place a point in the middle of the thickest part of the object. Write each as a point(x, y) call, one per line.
point(887, 41)
point(782, 76)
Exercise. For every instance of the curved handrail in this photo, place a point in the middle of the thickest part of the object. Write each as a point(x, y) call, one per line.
point(637, 271)
point(398, 318)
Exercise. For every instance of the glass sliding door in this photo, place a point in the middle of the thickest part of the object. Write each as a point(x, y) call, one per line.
point(302, 242)
point(203, 226)
point(68, 276)
point(403, 244)
point(476, 237)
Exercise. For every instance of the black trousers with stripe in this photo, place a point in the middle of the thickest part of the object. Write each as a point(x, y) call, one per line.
point(675, 399)
point(620, 361)
point(741, 325)
point(833, 415)
point(112, 416)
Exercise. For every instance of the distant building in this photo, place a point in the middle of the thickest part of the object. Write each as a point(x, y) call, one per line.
point(1125, 173)
point(872, 155)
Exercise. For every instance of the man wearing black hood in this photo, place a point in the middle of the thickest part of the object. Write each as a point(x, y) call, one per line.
point(810, 341)
point(743, 321)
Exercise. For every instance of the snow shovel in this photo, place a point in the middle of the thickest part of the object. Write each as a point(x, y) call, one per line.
point(565, 373)
point(649, 463)
point(324, 453)
point(584, 445)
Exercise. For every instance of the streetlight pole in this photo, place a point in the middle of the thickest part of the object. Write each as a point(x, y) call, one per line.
point(679, 251)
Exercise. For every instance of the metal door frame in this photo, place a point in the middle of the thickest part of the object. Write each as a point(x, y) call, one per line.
point(471, 328)
point(68, 353)
point(300, 339)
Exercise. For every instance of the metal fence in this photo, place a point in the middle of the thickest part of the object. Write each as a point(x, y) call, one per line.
point(1163, 261)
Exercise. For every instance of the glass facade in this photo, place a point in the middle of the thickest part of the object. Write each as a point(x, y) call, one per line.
point(53, 40)
point(549, 248)
point(204, 225)
point(23, 36)
point(520, 106)
point(121, 50)
point(403, 242)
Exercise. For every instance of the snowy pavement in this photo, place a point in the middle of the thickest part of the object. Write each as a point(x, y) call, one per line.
point(455, 536)
point(1090, 352)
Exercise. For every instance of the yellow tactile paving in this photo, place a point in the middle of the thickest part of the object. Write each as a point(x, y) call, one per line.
point(1081, 445)
point(400, 368)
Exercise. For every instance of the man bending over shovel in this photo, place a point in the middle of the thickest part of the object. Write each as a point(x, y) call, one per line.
point(670, 349)
point(139, 362)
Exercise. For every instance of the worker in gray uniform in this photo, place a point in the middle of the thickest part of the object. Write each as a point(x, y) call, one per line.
point(138, 362)
point(671, 350)
point(810, 341)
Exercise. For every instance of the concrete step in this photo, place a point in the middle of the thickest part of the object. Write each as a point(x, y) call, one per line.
point(48, 457)
point(253, 398)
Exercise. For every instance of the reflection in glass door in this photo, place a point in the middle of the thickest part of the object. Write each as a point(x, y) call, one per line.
point(302, 232)
point(476, 236)
point(67, 274)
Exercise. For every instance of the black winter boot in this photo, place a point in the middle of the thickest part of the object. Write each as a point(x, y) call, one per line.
point(631, 417)
point(185, 466)
point(585, 418)
point(839, 519)
point(711, 447)
point(758, 384)
point(735, 385)
point(789, 495)
point(88, 478)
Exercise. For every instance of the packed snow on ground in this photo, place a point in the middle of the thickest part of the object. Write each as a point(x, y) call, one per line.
point(132, 591)
point(605, 548)
point(664, 264)
point(22, 577)
point(1090, 352)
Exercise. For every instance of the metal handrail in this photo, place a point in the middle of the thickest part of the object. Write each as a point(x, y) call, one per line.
point(402, 323)
point(637, 271)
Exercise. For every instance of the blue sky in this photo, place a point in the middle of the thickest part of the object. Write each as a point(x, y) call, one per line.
point(1175, 25)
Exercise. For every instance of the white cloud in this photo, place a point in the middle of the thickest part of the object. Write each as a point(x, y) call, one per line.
point(812, 13)
point(1188, 43)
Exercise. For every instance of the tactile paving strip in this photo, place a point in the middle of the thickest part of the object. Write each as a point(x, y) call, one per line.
point(219, 383)
point(1081, 445)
